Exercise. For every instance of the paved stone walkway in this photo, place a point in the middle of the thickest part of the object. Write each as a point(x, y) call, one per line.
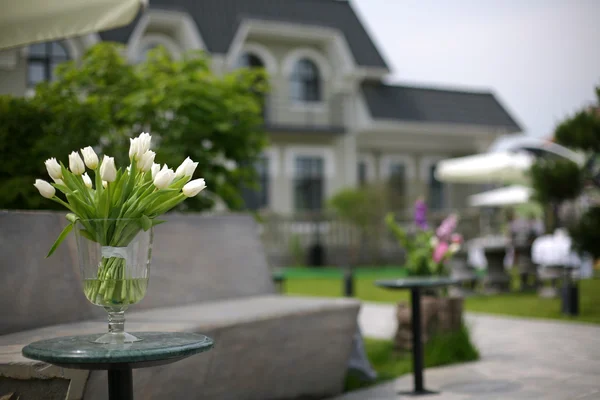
point(521, 359)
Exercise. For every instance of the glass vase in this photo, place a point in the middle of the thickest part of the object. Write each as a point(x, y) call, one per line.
point(114, 258)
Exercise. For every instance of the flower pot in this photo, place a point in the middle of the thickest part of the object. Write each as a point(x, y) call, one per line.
point(438, 315)
point(114, 258)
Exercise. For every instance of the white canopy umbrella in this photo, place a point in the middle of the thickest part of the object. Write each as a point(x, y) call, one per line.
point(498, 167)
point(29, 21)
point(505, 196)
point(536, 146)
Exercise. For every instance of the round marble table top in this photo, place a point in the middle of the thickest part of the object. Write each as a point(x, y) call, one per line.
point(155, 348)
point(417, 282)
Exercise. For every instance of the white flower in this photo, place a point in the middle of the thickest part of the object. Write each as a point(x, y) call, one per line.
point(87, 180)
point(453, 248)
point(186, 168)
point(76, 163)
point(134, 145)
point(139, 145)
point(147, 160)
point(164, 177)
point(59, 182)
point(155, 168)
point(145, 140)
point(90, 157)
point(46, 189)
point(104, 184)
point(108, 172)
point(433, 242)
point(53, 168)
point(194, 187)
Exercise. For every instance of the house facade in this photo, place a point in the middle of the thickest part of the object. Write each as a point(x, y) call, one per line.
point(332, 121)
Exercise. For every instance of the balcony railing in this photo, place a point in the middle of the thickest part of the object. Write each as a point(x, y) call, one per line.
point(284, 115)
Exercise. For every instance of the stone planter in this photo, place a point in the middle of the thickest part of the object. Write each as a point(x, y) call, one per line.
point(439, 315)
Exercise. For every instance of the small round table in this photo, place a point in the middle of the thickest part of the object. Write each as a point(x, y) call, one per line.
point(155, 348)
point(416, 285)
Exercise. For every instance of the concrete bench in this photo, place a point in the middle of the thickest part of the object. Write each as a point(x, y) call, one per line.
point(208, 275)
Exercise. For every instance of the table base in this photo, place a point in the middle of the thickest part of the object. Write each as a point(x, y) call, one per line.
point(415, 393)
point(120, 384)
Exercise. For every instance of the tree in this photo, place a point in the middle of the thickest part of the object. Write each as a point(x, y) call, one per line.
point(190, 111)
point(31, 132)
point(582, 130)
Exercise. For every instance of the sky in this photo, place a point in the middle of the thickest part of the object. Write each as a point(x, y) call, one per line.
point(540, 57)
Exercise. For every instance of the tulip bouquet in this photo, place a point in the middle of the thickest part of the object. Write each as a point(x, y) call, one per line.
point(427, 250)
point(114, 207)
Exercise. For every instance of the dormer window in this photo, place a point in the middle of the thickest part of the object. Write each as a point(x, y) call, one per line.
point(42, 60)
point(305, 82)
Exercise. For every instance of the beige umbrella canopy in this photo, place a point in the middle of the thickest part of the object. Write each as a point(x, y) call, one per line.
point(500, 167)
point(29, 21)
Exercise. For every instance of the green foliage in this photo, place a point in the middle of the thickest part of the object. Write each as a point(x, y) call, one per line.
point(362, 206)
point(419, 246)
point(582, 131)
point(215, 120)
point(555, 181)
point(586, 233)
point(443, 349)
point(32, 131)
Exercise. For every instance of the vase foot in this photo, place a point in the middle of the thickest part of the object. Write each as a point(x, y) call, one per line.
point(117, 338)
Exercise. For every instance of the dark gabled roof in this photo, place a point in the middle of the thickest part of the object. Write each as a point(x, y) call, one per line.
point(218, 21)
point(419, 104)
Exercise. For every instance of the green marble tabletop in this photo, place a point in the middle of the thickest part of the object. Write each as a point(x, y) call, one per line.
point(417, 282)
point(156, 348)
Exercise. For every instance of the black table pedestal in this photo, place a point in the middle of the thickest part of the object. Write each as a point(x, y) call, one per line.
point(417, 346)
point(120, 384)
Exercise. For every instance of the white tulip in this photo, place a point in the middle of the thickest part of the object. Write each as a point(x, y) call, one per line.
point(134, 146)
point(54, 169)
point(104, 184)
point(46, 189)
point(164, 177)
point(145, 140)
point(87, 180)
point(186, 168)
point(155, 168)
point(139, 145)
point(59, 182)
point(147, 160)
point(194, 187)
point(89, 157)
point(76, 164)
point(108, 172)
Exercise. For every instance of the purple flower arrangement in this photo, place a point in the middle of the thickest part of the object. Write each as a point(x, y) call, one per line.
point(427, 250)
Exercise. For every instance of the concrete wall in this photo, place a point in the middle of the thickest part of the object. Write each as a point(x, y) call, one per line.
point(195, 259)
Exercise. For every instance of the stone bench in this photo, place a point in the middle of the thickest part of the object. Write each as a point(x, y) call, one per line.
point(208, 275)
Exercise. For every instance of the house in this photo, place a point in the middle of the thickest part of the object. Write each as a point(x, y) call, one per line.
point(332, 121)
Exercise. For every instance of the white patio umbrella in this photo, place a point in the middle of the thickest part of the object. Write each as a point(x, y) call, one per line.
point(28, 21)
point(502, 197)
point(497, 167)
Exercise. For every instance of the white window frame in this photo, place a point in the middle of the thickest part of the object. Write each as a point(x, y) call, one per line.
point(425, 164)
point(322, 65)
point(369, 161)
point(388, 159)
point(324, 152)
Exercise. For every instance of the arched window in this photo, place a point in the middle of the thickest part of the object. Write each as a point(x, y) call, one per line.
point(145, 49)
point(250, 60)
point(43, 59)
point(305, 82)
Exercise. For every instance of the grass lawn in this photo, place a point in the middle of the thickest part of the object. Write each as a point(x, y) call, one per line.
point(328, 283)
point(441, 350)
